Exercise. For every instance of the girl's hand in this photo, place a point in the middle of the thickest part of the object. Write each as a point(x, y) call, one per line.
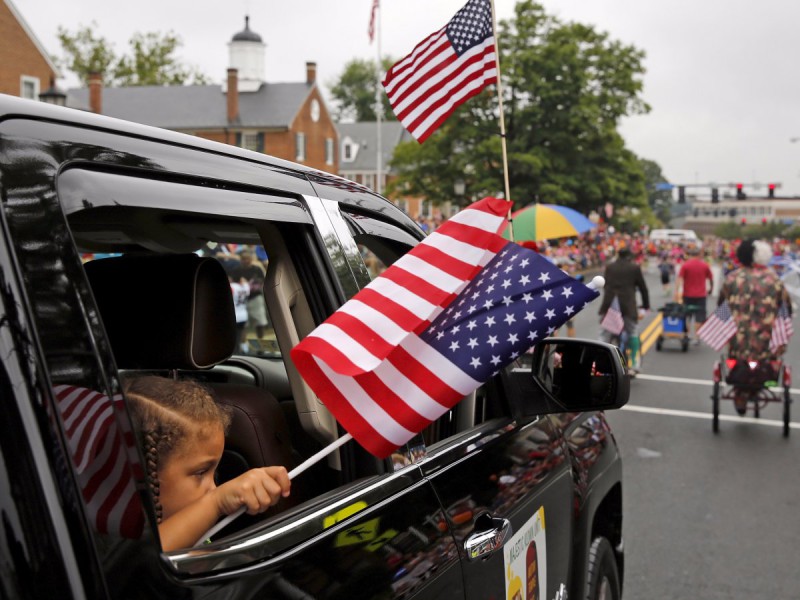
point(257, 489)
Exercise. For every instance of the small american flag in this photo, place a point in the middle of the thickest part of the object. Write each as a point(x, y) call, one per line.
point(612, 320)
point(444, 70)
point(373, 12)
point(440, 321)
point(99, 456)
point(718, 328)
point(782, 328)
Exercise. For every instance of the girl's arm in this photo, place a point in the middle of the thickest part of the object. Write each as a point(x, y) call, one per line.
point(258, 489)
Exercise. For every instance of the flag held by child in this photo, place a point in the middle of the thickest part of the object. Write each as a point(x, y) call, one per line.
point(436, 324)
point(718, 328)
point(444, 70)
point(612, 321)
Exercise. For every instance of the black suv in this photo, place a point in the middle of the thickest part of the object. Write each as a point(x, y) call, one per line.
point(110, 239)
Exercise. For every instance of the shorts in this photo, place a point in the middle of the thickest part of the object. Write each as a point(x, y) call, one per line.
point(695, 308)
point(257, 312)
point(664, 278)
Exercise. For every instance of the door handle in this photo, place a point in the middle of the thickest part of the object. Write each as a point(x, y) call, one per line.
point(490, 535)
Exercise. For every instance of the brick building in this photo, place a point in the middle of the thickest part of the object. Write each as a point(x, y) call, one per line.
point(26, 70)
point(286, 120)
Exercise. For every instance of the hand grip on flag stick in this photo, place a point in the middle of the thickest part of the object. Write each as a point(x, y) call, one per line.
point(309, 462)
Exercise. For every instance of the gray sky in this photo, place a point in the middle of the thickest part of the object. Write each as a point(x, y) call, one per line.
point(721, 77)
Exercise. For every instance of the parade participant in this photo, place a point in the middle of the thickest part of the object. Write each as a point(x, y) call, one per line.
point(183, 435)
point(623, 277)
point(693, 284)
point(754, 294)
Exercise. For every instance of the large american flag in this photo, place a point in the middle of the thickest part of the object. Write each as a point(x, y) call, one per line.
point(444, 70)
point(440, 321)
point(612, 321)
point(718, 328)
point(99, 456)
point(782, 328)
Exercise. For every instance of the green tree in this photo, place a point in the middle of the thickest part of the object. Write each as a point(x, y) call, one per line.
point(151, 59)
point(354, 92)
point(660, 201)
point(566, 87)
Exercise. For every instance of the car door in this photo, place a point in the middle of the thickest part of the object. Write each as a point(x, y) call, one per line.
point(373, 532)
point(507, 489)
point(491, 472)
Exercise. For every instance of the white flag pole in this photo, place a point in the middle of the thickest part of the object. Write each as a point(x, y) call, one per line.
point(310, 461)
point(378, 104)
point(502, 121)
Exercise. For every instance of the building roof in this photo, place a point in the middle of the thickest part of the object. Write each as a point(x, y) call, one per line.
point(32, 36)
point(194, 107)
point(365, 135)
point(247, 34)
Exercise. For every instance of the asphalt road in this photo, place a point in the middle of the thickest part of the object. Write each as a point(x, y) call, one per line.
point(706, 515)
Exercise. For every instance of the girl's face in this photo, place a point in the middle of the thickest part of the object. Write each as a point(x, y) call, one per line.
point(189, 473)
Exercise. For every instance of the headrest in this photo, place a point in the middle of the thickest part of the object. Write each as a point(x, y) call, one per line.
point(168, 311)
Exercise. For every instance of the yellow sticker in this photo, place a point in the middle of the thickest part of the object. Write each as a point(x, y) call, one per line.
point(341, 515)
point(358, 534)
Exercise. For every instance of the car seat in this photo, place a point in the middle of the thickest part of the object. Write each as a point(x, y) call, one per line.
point(174, 312)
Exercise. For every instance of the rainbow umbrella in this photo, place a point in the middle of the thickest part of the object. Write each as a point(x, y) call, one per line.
point(547, 221)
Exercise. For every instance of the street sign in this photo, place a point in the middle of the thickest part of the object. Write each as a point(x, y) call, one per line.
point(660, 187)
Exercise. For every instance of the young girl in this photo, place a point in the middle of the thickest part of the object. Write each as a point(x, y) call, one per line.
point(183, 432)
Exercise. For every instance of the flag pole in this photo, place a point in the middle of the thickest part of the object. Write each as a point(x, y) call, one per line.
point(378, 102)
point(310, 461)
point(502, 122)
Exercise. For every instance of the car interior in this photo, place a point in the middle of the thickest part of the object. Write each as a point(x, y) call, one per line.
point(159, 280)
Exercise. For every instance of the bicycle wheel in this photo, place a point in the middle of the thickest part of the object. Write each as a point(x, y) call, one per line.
point(715, 408)
point(787, 401)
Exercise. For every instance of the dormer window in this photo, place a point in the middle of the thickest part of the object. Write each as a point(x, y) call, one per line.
point(349, 150)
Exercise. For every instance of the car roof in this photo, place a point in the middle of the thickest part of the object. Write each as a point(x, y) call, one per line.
point(335, 188)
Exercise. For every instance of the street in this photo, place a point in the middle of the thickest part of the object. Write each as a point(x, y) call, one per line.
point(705, 515)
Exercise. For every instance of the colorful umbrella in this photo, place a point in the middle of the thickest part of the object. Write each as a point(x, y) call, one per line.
point(547, 221)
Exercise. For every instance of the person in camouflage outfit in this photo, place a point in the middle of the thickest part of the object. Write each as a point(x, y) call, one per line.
point(754, 293)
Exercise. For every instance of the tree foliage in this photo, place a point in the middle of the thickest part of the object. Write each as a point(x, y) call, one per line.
point(354, 92)
point(660, 201)
point(565, 89)
point(151, 59)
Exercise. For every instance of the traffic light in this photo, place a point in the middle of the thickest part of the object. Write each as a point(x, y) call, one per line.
point(740, 195)
point(681, 194)
point(714, 195)
point(771, 188)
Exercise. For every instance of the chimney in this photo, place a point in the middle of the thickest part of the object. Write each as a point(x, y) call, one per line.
point(311, 73)
point(96, 92)
point(233, 95)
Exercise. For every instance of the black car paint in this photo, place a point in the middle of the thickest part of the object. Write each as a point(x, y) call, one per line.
point(48, 547)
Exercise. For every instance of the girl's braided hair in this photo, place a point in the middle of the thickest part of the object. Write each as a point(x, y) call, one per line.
point(165, 412)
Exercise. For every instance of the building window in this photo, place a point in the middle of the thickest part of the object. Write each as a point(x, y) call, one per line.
point(369, 180)
point(251, 141)
point(29, 87)
point(328, 151)
point(300, 146)
point(349, 150)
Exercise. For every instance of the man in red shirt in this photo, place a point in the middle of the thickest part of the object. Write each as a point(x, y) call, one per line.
point(691, 287)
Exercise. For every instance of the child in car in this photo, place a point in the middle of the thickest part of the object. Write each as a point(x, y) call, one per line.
point(183, 434)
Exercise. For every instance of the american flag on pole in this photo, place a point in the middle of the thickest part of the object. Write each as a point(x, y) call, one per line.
point(782, 328)
point(373, 12)
point(99, 457)
point(444, 70)
point(612, 320)
point(718, 328)
point(436, 324)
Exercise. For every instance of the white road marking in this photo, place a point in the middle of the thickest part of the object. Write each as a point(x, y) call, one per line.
point(707, 382)
point(698, 415)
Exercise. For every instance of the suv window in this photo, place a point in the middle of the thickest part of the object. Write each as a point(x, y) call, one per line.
point(113, 216)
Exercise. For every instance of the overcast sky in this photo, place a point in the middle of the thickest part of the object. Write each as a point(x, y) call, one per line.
point(722, 76)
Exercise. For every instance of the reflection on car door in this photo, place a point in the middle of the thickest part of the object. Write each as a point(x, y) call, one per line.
point(519, 474)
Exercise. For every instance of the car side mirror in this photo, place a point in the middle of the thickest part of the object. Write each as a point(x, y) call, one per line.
point(568, 375)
